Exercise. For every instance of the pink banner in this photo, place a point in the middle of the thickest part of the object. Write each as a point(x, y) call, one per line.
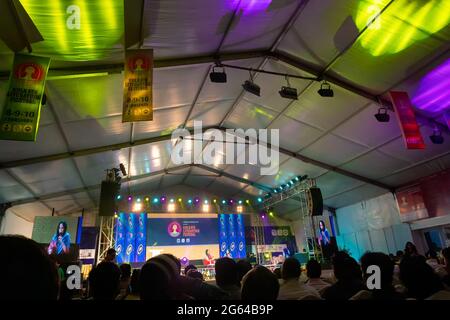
point(407, 120)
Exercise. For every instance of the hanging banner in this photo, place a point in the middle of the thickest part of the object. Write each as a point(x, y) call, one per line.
point(411, 204)
point(21, 111)
point(141, 238)
point(138, 86)
point(120, 237)
point(407, 120)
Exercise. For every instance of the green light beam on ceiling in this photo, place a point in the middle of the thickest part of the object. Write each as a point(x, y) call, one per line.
point(403, 23)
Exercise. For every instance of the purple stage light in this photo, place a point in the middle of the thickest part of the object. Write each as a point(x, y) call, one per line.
point(184, 261)
point(250, 6)
point(432, 94)
point(130, 198)
point(163, 199)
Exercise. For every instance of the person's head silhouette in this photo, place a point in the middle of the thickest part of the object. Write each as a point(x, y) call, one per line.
point(139, 64)
point(29, 71)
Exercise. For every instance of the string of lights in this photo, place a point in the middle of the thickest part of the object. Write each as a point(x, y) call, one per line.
point(171, 204)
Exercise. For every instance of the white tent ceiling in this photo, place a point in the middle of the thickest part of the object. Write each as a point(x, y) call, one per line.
point(336, 141)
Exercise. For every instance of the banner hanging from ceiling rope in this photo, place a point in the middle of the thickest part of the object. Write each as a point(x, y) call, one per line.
point(138, 86)
point(22, 108)
point(407, 120)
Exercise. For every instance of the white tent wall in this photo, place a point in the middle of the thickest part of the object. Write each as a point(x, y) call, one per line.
point(372, 225)
point(13, 224)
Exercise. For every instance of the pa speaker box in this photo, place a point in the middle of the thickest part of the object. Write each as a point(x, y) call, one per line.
point(108, 196)
point(316, 202)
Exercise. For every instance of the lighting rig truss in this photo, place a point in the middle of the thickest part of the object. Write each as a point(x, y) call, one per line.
point(297, 187)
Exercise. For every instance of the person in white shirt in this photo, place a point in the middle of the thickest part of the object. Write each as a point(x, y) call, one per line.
point(314, 271)
point(291, 288)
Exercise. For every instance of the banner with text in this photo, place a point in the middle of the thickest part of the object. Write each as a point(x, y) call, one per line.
point(131, 235)
point(411, 204)
point(137, 86)
point(407, 120)
point(232, 236)
point(21, 111)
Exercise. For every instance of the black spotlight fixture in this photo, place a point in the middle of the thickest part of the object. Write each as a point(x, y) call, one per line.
point(44, 99)
point(325, 90)
point(122, 168)
point(252, 87)
point(437, 137)
point(288, 92)
point(382, 116)
point(218, 77)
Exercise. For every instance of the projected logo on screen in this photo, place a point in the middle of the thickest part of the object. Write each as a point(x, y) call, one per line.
point(140, 249)
point(241, 246)
point(223, 247)
point(129, 249)
point(174, 229)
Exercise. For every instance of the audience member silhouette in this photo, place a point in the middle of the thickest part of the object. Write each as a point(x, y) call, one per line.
point(259, 284)
point(348, 275)
point(104, 280)
point(28, 272)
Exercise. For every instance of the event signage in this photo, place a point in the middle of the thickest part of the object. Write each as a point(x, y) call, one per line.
point(181, 231)
point(130, 237)
point(232, 236)
point(411, 204)
point(407, 120)
point(21, 110)
point(137, 86)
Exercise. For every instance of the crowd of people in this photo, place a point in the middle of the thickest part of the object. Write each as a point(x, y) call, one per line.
point(31, 274)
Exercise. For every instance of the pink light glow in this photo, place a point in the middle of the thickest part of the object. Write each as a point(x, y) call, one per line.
point(433, 92)
point(250, 6)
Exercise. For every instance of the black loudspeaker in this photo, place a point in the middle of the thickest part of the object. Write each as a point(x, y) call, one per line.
point(316, 205)
point(108, 196)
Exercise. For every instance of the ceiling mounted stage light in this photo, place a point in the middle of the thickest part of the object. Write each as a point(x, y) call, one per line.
point(252, 87)
point(437, 137)
point(218, 77)
point(122, 168)
point(382, 116)
point(325, 90)
point(288, 92)
point(137, 207)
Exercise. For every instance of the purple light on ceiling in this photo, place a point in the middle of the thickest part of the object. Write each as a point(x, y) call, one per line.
point(433, 92)
point(250, 6)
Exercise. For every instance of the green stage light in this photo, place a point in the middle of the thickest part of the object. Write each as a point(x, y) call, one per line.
point(401, 25)
point(77, 30)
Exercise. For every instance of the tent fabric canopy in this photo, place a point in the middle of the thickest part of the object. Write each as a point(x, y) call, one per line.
point(353, 157)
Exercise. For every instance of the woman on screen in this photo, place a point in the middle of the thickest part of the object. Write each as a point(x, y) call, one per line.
point(324, 235)
point(324, 239)
point(60, 243)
